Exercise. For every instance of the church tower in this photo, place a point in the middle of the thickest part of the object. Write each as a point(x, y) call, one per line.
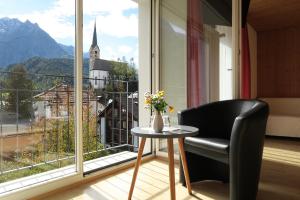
point(94, 49)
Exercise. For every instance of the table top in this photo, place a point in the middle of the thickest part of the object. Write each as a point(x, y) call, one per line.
point(168, 132)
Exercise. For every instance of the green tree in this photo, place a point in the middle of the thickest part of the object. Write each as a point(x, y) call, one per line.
point(121, 71)
point(19, 91)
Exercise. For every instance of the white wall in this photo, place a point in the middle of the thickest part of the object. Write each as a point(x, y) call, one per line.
point(98, 74)
point(225, 62)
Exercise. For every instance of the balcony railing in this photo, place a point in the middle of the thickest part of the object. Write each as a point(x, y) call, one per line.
point(37, 128)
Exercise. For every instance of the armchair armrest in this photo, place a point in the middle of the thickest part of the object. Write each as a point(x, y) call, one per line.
point(246, 148)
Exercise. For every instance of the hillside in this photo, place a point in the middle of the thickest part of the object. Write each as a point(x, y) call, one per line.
point(52, 67)
point(20, 41)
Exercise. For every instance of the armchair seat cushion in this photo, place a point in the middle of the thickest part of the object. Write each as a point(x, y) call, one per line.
point(212, 144)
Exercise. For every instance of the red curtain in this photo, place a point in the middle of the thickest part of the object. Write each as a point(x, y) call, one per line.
point(194, 53)
point(246, 66)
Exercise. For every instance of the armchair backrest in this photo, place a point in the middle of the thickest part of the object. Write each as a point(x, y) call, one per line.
point(216, 119)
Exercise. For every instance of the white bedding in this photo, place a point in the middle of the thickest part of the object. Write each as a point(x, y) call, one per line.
point(284, 118)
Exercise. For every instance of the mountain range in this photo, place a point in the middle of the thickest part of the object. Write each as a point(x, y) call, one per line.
point(20, 41)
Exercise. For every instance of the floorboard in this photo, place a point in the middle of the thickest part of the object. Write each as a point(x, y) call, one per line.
point(280, 179)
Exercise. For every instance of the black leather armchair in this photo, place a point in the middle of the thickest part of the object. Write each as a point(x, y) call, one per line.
point(229, 145)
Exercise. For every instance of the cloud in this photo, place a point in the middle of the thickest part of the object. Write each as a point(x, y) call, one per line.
point(108, 52)
point(124, 49)
point(118, 25)
point(55, 21)
point(115, 18)
point(96, 7)
point(59, 20)
point(110, 18)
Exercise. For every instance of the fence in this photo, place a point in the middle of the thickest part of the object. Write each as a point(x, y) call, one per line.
point(37, 125)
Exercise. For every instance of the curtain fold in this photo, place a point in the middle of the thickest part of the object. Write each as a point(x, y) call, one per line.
point(195, 56)
point(246, 66)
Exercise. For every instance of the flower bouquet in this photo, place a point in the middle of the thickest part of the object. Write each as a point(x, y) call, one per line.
point(158, 104)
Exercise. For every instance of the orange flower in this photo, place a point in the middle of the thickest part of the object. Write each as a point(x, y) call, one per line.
point(171, 109)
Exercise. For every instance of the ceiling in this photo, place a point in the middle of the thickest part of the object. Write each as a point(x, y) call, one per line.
point(216, 12)
point(266, 15)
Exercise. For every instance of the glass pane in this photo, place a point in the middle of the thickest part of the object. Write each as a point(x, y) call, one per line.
point(196, 53)
point(110, 93)
point(173, 58)
point(36, 91)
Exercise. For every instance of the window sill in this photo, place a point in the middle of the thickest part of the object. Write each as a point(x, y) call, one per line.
point(89, 166)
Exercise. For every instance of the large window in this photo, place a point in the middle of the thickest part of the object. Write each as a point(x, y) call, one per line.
point(43, 139)
point(37, 132)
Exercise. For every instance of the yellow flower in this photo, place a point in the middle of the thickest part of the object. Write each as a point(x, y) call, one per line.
point(148, 101)
point(161, 93)
point(171, 109)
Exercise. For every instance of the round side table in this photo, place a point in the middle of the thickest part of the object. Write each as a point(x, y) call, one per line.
point(169, 133)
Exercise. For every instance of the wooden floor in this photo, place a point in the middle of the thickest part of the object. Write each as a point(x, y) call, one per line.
point(280, 180)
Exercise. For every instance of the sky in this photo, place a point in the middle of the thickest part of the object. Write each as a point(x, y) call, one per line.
point(116, 21)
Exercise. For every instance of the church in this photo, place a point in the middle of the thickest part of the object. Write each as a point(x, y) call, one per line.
point(98, 68)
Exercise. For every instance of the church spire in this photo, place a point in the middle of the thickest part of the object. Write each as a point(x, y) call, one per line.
point(95, 36)
point(94, 49)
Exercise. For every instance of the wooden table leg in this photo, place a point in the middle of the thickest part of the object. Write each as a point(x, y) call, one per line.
point(137, 165)
point(184, 165)
point(171, 168)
